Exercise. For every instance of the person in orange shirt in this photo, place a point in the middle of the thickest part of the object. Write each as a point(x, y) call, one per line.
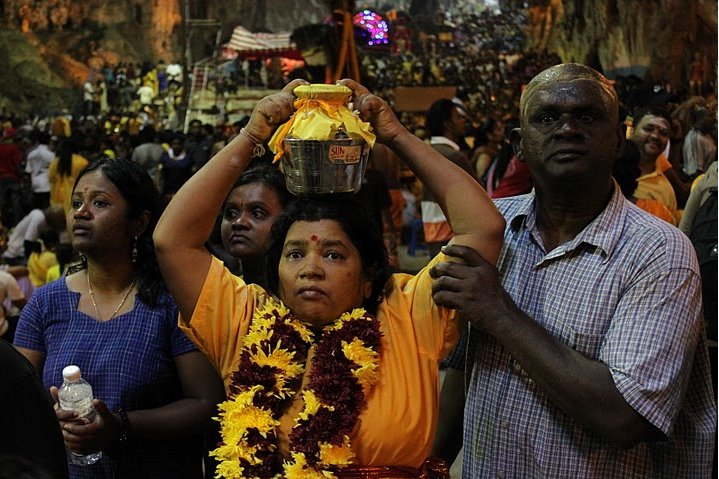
point(658, 180)
point(626, 171)
point(333, 369)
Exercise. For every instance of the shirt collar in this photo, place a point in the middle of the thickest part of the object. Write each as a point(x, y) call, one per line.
point(443, 140)
point(661, 164)
point(602, 233)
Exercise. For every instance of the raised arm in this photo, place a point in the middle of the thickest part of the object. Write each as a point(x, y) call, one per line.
point(187, 222)
point(469, 210)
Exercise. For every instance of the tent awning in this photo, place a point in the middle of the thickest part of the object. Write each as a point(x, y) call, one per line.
point(248, 44)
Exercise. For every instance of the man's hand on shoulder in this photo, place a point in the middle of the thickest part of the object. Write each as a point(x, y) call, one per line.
point(472, 286)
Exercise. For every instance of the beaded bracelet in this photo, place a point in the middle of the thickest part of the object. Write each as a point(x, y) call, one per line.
point(124, 427)
point(259, 148)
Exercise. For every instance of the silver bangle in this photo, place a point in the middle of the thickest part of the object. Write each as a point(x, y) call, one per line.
point(258, 150)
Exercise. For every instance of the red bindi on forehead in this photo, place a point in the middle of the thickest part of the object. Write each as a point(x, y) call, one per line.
point(314, 237)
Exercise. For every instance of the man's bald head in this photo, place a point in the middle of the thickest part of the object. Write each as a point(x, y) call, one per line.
point(567, 72)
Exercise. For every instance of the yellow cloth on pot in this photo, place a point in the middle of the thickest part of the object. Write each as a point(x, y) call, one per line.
point(320, 112)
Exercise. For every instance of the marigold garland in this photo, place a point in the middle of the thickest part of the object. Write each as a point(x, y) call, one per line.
point(272, 363)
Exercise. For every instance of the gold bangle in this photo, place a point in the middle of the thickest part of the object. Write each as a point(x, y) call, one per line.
point(258, 150)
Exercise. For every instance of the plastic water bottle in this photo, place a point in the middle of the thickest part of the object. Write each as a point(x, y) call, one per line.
point(76, 395)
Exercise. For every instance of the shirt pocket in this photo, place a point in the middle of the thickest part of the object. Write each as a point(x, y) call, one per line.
point(588, 344)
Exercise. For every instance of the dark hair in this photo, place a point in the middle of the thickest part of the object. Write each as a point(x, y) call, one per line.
point(178, 135)
point(137, 188)
point(30, 247)
point(626, 169)
point(481, 137)
point(40, 136)
point(267, 173)
point(147, 135)
point(438, 115)
point(65, 255)
point(50, 238)
point(208, 129)
point(362, 231)
point(166, 136)
point(653, 111)
point(504, 155)
point(65, 150)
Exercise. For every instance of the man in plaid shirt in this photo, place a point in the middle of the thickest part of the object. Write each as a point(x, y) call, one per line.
point(586, 354)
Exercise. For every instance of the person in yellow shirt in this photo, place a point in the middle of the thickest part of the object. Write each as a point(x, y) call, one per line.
point(63, 171)
point(370, 341)
point(65, 255)
point(42, 257)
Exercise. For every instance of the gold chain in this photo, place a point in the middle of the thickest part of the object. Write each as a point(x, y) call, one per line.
point(94, 303)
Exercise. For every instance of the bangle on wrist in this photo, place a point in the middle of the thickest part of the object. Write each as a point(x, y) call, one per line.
point(258, 150)
point(124, 427)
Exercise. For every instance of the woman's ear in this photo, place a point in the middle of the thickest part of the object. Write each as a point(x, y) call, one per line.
point(141, 223)
point(366, 289)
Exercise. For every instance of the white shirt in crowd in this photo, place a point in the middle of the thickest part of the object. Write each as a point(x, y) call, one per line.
point(9, 291)
point(27, 229)
point(38, 162)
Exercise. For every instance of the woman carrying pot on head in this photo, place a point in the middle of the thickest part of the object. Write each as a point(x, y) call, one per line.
point(154, 392)
point(333, 370)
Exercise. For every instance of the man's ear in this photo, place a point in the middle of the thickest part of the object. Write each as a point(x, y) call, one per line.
point(622, 137)
point(515, 138)
point(621, 143)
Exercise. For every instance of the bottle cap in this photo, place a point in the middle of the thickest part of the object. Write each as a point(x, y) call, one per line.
point(71, 373)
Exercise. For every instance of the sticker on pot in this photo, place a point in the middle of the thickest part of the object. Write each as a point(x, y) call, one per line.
point(347, 155)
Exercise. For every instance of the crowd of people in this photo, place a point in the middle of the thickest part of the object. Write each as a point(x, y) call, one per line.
point(569, 294)
point(484, 57)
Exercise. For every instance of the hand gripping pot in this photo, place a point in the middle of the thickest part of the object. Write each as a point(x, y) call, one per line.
point(324, 147)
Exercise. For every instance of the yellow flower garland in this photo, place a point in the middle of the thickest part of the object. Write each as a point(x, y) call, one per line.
point(278, 342)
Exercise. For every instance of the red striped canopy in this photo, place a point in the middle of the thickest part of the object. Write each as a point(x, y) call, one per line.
point(248, 44)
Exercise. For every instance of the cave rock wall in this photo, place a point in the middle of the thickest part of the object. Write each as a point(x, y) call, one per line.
point(650, 38)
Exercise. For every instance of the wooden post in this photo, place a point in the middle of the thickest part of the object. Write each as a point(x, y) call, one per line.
point(347, 49)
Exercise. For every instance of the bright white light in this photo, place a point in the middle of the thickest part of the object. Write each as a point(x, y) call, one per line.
point(492, 5)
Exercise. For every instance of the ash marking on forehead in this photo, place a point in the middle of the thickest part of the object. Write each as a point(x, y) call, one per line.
point(563, 74)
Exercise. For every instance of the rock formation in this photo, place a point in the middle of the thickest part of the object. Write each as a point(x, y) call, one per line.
point(49, 46)
point(654, 38)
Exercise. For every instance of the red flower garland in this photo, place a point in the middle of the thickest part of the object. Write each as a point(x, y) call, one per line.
point(333, 382)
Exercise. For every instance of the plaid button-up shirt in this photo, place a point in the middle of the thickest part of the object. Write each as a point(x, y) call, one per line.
point(624, 292)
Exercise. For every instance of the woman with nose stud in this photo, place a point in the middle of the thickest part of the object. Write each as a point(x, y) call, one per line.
point(113, 317)
point(332, 370)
